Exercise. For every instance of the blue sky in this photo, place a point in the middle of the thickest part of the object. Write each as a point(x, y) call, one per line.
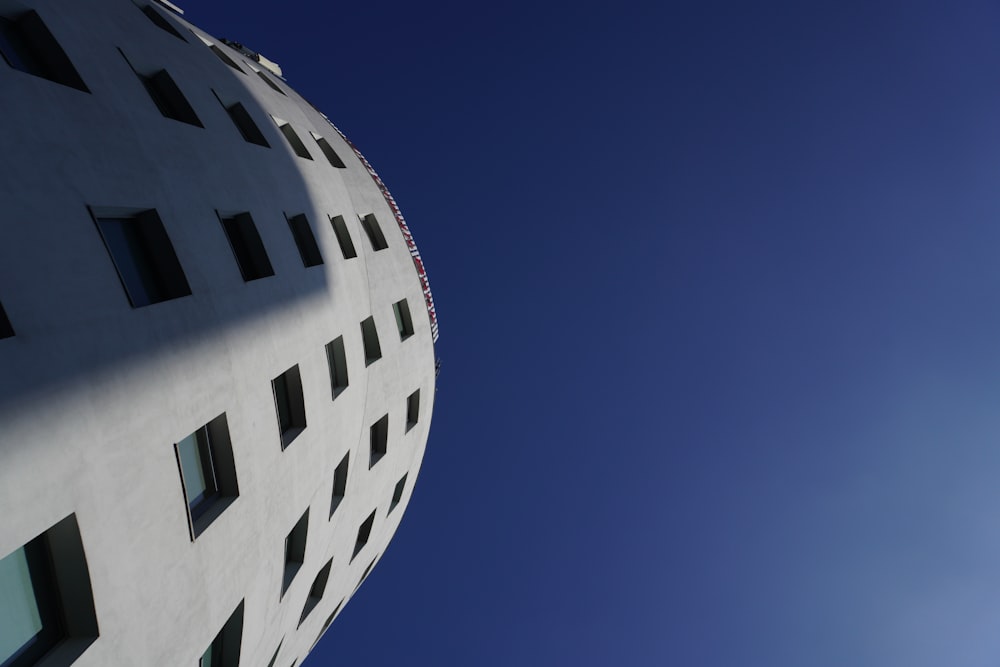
point(720, 335)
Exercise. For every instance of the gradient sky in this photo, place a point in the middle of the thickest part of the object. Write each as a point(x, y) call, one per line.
point(720, 325)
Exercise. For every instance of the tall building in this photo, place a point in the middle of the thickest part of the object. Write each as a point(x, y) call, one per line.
point(217, 362)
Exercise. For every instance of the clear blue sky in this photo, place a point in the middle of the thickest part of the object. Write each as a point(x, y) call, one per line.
point(720, 325)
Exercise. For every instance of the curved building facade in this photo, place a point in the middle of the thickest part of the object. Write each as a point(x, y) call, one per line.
point(216, 342)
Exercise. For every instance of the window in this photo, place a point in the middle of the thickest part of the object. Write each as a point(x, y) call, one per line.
point(168, 97)
point(46, 598)
point(295, 551)
point(316, 591)
point(217, 50)
point(268, 81)
point(343, 237)
point(403, 322)
point(397, 493)
point(328, 151)
point(6, 330)
point(244, 122)
point(289, 404)
point(247, 246)
point(208, 473)
point(366, 573)
point(293, 139)
point(374, 232)
point(142, 254)
point(161, 22)
point(378, 440)
point(369, 336)
point(339, 483)
point(304, 240)
point(274, 658)
point(336, 357)
point(27, 45)
point(224, 650)
point(364, 532)
point(327, 623)
point(412, 409)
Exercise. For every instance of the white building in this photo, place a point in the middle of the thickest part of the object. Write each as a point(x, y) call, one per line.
point(216, 345)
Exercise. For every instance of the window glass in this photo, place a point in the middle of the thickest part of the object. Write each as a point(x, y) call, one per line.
point(194, 473)
point(20, 620)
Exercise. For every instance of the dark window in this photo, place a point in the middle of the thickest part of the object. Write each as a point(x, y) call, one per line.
point(374, 232)
point(244, 123)
point(316, 591)
point(225, 648)
point(340, 483)
point(161, 22)
point(304, 240)
point(293, 139)
point(6, 330)
point(247, 246)
point(168, 97)
point(327, 623)
point(412, 409)
point(336, 357)
point(328, 151)
point(268, 81)
point(378, 440)
point(369, 337)
point(217, 50)
point(295, 550)
point(27, 45)
point(274, 658)
point(364, 532)
point(289, 404)
point(144, 257)
point(208, 473)
point(47, 597)
point(343, 237)
point(397, 493)
point(366, 573)
point(403, 321)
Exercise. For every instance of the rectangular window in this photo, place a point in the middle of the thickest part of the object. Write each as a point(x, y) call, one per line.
point(374, 232)
point(27, 45)
point(328, 151)
point(364, 532)
point(6, 330)
point(316, 591)
point(366, 573)
point(143, 255)
point(369, 337)
point(168, 97)
point(268, 81)
point(289, 404)
point(46, 597)
point(336, 358)
point(217, 50)
point(161, 22)
point(412, 409)
point(403, 322)
point(244, 123)
point(251, 257)
point(208, 473)
point(327, 623)
point(295, 550)
point(224, 650)
point(340, 483)
point(293, 139)
point(378, 440)
point(397, 493)
point(343, 237)
point(304, 240)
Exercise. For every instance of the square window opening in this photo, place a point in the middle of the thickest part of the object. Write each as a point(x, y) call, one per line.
point(397, 493)
point(143, 256)
point(295, 550)
point(217, 50)
point(374, 232)
point(208, 473)
point(316, 591)
point(168, 98)
point(328, 151)
point(336, 357)
point(378, 440)
point(268, 81)
point(244, 122)
point(304, 240)
point(289, 404)
point(412, 409)
point(364, 532)
point(248, 249)
point(298, 147)
point(404, 324)
point(369, 338)
point(161, 22)
point(26, 44)
point(343, 237)
point(224, 651)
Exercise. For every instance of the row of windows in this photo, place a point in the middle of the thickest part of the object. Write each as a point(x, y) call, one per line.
point(26, 44)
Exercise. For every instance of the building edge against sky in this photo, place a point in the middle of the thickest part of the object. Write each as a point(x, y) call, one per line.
point(217, 342)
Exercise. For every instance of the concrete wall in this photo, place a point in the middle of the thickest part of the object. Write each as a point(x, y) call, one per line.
point(94, 393)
